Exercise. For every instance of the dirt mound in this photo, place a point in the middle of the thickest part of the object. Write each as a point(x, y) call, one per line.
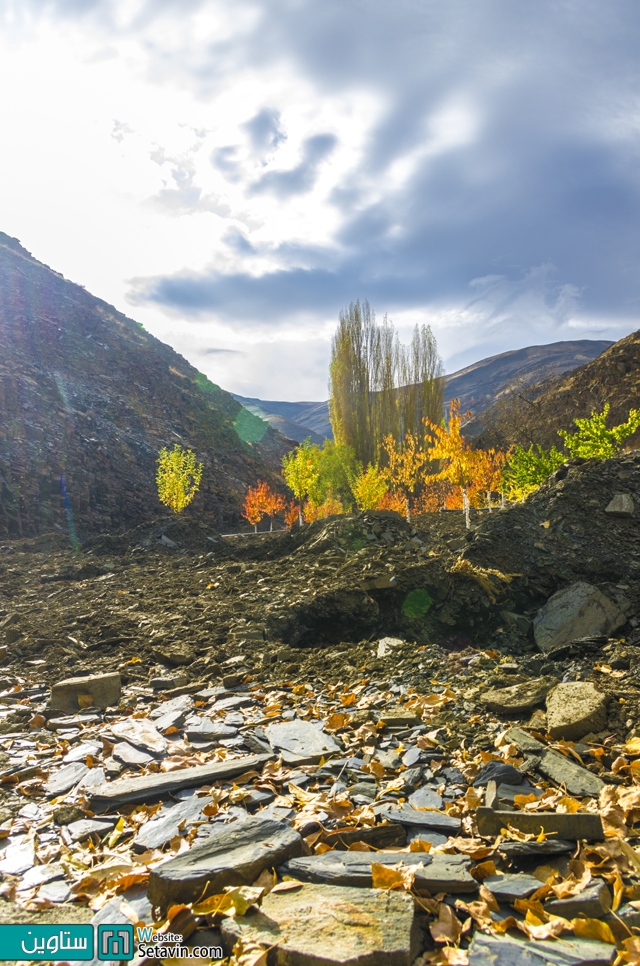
point(171, 533)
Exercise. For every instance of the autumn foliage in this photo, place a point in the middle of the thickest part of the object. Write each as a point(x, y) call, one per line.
point(262, 501)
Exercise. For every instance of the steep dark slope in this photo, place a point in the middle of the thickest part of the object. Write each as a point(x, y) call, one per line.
point(535, 413)
point(87, 398)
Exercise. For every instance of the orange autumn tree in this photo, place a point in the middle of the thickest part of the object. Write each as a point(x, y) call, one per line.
point(460, 463)
point(490, 467)
point(406, 461)
point(261, 501)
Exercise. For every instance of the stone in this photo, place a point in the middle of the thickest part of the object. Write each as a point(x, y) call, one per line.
point(207, 730)
point(144, 788)
point(86, 827)
point(411, 757)
point(510, 951)
point(233, 703)
point(594, 902)
point(620, 506)
point(323, 925)
point(580, 610)
point(155, 833)
point(65, 778)
point(415, 833)
point(80, 752)
point(300, 742)
point(508, 888)
point(387, 645)
point(507, 793)
point(125, 752)
point(177, 656)
point(183, 703)
point(579, 825)
point(497, 771)
point(576, 709)
point(18, 857)
point(172, 719)
point(235, 854)
point(445, 873)
point(517, 850)
point(103, 689)
point(347, 868)
point(388, 759)
point(425, 798)
point(557, 767)
point(73, 721)
point(518, 699)
point(363, 790)
point(433, 819)
point(141, 733)
point(400, 718)
point(55, 891)
point(66, 814)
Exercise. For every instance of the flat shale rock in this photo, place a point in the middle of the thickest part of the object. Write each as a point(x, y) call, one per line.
point(164, 826)
point(125, 752)
point(207, 730)
point(440, 873)
point(321, 925)
point(518, 698)
point(558, 767)
point(103, 689)
point(508, 888)
point(579, 610)
point(427, 818)
point(593, 902)
point(300, 742)
point(235, 854)
point(347, 868)
point(147, 788)
point(65, 778)
point(425, 798)
point(579, 825)
point(576, 709)
point(141, 733)
point(85, 827)
point(499, 772)
point(568, 951)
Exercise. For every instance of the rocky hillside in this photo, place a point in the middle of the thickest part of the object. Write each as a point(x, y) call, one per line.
point(535, 413)
point(87, 398)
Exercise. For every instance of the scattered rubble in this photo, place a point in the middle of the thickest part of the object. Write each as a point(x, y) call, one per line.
point(353, 777)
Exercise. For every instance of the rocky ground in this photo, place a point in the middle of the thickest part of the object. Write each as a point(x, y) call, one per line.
point(363, 741)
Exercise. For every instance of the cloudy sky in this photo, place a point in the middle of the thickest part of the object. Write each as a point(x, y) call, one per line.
point(232, 172)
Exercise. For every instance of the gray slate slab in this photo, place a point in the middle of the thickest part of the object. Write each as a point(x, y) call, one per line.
point(146, 788)
point(183, 704)
point(580, 825)
point(323, 925)
point(125, 752)
point(230, 704)
point(508, 888)
point(65, 778)
point(594, 902)
point(85, 827)
point(557, 767)
point(507, 951)
point(347, 868)
point(235, 854)
point(207, 730)
point(425, 798)
point(163, 827)
point(406, 815)
point(141, 733)
point(300, 742)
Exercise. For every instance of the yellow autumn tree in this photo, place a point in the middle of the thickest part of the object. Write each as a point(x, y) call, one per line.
point(178, 477)
point(368, 487)
point(459, 463)
point(406, 461)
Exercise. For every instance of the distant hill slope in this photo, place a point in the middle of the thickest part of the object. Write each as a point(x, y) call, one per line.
point(536, 412)
point(87, 398)
point(477, 386)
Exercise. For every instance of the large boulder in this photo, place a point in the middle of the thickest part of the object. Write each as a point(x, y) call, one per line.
point(518, 698)
point(575, 709)
point(577, 611)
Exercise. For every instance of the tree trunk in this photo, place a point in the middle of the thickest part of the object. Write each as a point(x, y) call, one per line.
point(465, 507)
point(504, 502)
point(408, 512)
point(255, 527)
point(489, 500)
point(270, 524)
point(300, 514)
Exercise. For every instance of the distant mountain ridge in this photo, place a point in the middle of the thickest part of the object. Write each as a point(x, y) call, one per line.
point(477, 386)
point(87, 398)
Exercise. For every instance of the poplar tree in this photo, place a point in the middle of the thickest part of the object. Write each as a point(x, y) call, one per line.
point(379, 387)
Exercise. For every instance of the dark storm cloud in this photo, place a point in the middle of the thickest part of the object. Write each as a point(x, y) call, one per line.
point(547, 173)
point(301, 178)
